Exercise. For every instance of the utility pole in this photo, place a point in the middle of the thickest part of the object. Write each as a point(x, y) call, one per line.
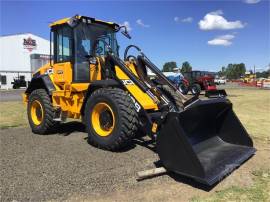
point(254, 72)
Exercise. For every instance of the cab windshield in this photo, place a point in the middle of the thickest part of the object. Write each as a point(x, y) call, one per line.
point(91, 39)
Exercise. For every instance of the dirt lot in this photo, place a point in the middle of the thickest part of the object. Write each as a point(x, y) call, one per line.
point(64, 167)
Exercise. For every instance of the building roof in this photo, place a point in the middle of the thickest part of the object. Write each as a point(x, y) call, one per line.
point(24, 33)
point(19, 34)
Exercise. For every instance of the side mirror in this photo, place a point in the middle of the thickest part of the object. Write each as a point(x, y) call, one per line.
point(126, 34)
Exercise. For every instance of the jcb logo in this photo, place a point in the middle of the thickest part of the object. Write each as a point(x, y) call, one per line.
point(136, 104)
point(60, 71)
point(127, 82)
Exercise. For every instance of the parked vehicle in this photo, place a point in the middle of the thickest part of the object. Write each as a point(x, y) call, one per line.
point(203, 81)
point(18, 82)
point(219, 81)
point(249, 77)
point(180, 82)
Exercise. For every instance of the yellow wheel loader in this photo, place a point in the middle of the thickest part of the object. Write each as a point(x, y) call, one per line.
point(114, 98)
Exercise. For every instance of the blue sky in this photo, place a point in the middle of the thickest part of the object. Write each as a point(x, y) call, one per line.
point(208, 34)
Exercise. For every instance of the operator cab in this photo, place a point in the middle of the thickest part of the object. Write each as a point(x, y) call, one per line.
point(81, 42)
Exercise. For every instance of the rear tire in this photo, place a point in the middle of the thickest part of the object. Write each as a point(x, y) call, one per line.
point(122, 123)
point(40, 112)
point(196, 89)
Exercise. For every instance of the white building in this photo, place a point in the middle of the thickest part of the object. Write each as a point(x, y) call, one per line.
point(20, 56)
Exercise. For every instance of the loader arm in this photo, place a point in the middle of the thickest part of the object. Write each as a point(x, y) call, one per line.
point(156, 95)
point(142, 59)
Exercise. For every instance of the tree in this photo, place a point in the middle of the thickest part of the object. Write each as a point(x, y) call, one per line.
point(222, 72)
point(264, 74)
point(233, 71)
point(186, 67)
point(169, 66)
point(241, 69)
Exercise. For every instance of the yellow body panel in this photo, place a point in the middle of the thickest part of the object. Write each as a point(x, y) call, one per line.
point(79, 87)
point(43, 69)
point(62, 73)
point(145, 101)
point(69, 103)
point(95, 71)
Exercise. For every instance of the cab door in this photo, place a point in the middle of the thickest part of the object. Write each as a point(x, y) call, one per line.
point(63, 55)
point(82, 47)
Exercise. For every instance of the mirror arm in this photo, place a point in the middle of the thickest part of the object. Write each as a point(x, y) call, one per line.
point(125, 32)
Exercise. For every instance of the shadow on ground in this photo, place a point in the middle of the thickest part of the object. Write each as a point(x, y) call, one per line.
point(70, 128)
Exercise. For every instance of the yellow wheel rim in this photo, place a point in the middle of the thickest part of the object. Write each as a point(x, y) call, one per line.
point(37, 112)
point(103, 119)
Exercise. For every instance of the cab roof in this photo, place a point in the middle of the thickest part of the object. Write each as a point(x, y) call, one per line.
point(78, 17)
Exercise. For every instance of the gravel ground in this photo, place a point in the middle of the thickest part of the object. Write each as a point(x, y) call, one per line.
point(37, 168)
point(64, 167)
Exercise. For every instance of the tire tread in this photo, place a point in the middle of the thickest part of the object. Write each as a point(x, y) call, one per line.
point(128, 115)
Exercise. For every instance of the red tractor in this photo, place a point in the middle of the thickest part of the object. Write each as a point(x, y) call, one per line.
point(202, 80)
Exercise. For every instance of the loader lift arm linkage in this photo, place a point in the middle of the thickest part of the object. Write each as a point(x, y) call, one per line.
point(201, 139)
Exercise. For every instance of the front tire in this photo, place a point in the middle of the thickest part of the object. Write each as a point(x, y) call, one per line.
point(172, 96)
point(110, 118)
point(183, 88)
point(40, 112)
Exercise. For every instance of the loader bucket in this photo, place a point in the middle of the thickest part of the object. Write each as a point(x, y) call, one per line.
point(205, 142)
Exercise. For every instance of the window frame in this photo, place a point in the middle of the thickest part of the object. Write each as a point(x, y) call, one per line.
point(58, 31)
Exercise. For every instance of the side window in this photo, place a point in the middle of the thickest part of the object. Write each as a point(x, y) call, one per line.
point(63, 44)
point(101, 46)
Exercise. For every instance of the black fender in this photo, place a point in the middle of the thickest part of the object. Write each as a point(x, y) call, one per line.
point(41, 81)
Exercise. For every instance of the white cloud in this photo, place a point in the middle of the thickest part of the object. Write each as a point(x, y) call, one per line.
point(140, 22)
point(224, 40)
point(185, 20)
point(214, 20)
point(252, 1)
point(176, 19)
point(217, 12)
point(188, 19)
point(127, 24)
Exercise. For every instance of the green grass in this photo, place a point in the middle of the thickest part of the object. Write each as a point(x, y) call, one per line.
point(253, 109)
point(258, 192)
point(12, 114)
point(251, 106)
